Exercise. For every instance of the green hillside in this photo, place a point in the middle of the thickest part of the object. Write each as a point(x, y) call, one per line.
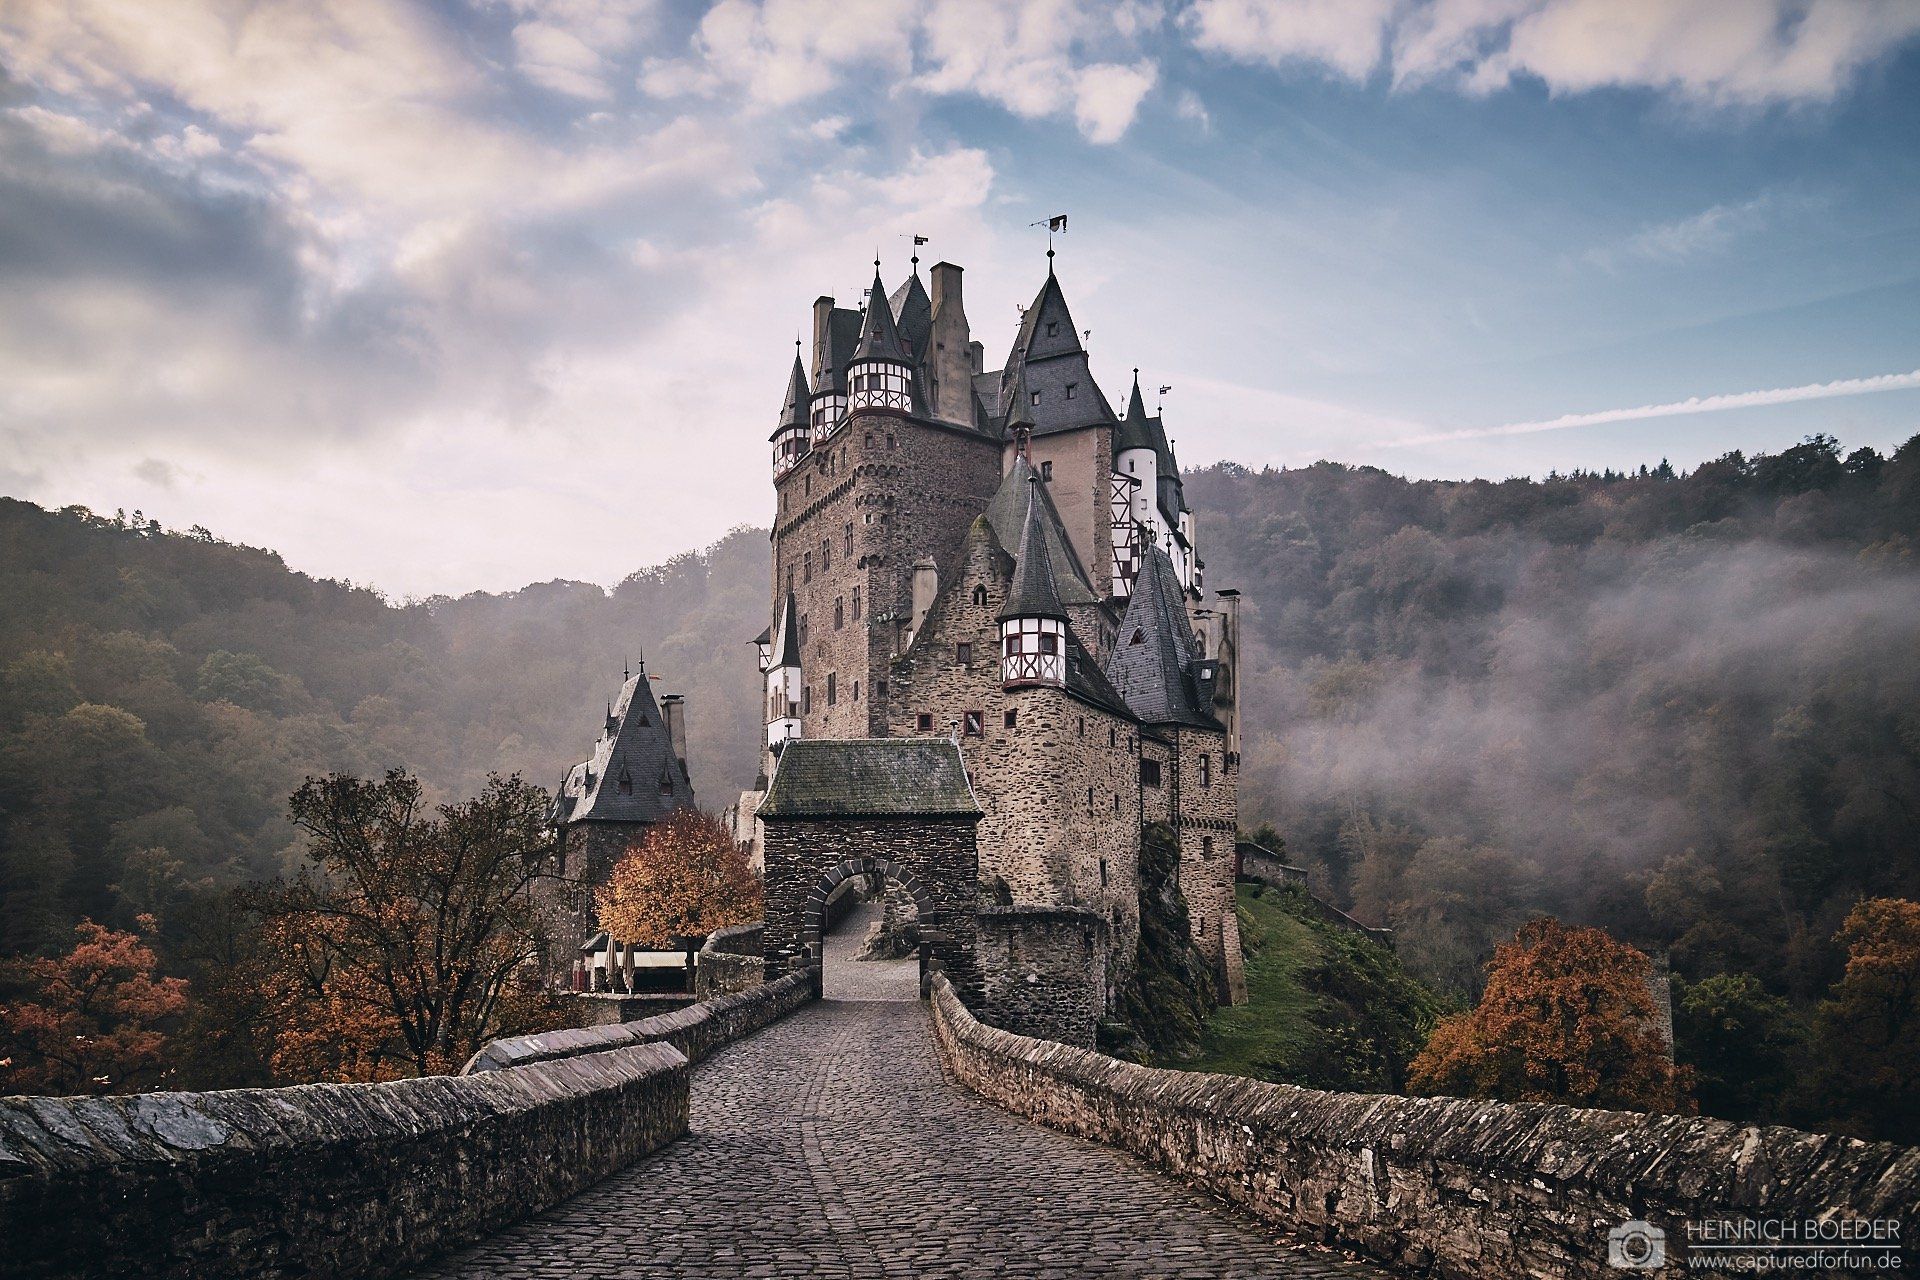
point(1326, 1007)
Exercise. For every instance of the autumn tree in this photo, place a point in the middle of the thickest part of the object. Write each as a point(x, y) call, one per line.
point(1567, 1016)
point(1869, 1027)
point(87, 1021)
point(686, 876)
point(403, 948)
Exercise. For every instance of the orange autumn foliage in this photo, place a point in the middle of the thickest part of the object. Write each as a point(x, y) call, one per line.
point(685, 876)
point(87, 1021)
point(1567, 1017)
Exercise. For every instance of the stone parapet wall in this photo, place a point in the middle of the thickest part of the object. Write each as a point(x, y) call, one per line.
point(1445, 1186)
point(696, 1031)
point(731, 960)
point(1043, 970)
point(337, 1180)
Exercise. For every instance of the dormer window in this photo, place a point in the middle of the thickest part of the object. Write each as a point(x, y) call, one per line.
point(666, 780)
point(1139, 636)
point(1053, 328)
point(1071, 387)
point(1036, 397)
point(1046, 469)
point(626, 782)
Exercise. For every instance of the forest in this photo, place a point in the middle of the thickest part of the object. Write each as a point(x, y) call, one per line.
point(1680, 706)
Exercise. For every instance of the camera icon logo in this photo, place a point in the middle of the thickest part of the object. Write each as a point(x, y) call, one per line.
point(1636, 1246)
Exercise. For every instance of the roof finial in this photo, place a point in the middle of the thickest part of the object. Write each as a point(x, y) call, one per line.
point(626, 668)
point(1057, 223)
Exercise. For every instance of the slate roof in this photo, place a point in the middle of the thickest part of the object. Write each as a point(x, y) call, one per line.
point(1136, 431)
point(843, 335)
point(1156, 674)
point(880, 333)
point(913, 312)
point(870, 778)
point(1033, 594)
point(795, 404)
point(634, 745)
point(1007, 513)
point(1088, 682)
point(786, 636)
point(1051, 363)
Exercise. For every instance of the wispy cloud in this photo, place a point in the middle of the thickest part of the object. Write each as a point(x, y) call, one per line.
point(1676, 408)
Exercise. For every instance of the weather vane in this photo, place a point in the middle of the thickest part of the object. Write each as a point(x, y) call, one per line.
point(1057, 224)
point(1161, 403)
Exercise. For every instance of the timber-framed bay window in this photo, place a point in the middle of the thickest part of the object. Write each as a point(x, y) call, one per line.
point(828, 409)
point(880, 384)
point(1033, 651)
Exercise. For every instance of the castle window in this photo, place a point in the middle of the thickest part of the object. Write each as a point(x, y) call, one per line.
point(1206, 770)
point(1116, 803)
point(1036, 397)
point(1083, 726)
point(831, 684)
point(1046, 469)
point(924, 722)
point(1089, 799)
point(1049, 643)
point(803, 631)
point(626, 782)
point(974, 723)
point(826, 555)
point(1150, 773)
point(1103, 873)
point(856, 691)
point(856, 604)
point(789, 577)
point(1071, 387)
point(889, 439)
point(1053, 328)
point(1112, 736)
point(980, 594)
point(879, 688)
point(1206, 846)
point(869, 440)
point(963, 652)
point(1129, 742)
point(806, 570)
point(839, 613)
point(806, 485)
point(666, 781)
point(846, 538)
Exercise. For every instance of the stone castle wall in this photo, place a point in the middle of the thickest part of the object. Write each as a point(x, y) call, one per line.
point(904, 491)
point(1038, 971)
point(1204, 821)
point(1041, 836)
point(1446, 1187)
point(1081, 467)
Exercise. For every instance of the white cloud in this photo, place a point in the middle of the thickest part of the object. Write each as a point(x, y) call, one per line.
point(1107, 96)
point(1711, 231)
point(1715, 52)
point(1691, 405)
point(1346, 36)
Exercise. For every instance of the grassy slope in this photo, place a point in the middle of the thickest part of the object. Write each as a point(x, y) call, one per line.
point(1325, 1008)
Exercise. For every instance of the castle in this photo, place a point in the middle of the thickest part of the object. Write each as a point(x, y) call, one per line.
point(994, 556)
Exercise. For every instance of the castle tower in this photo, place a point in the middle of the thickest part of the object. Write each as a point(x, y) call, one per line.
point(1033, 621)
point(781, 665)
point(792, 438)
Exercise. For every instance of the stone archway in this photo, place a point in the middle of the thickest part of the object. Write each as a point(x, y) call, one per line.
point(877, 872)
point(897, 808)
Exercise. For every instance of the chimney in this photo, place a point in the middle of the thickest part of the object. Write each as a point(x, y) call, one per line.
point(822, 319)
point(978, 352)
point(926, 585)
point(673, 710)
point(952, 354)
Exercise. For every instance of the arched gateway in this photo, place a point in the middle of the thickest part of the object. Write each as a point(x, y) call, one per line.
point(898, 808)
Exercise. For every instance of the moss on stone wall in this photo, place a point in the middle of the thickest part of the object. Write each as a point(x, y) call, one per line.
point(1165, 1005)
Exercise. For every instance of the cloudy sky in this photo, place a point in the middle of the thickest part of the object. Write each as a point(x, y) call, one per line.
point(464, 295)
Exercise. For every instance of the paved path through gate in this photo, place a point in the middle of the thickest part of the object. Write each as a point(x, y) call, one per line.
point(831, 1145)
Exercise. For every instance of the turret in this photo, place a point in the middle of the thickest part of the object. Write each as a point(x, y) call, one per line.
point(783, 678)
point(1033, 622)
point(1135, 455)
point(881, 374)
point(790, 438)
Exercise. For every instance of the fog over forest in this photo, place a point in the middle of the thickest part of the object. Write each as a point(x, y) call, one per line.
point(1683, 707)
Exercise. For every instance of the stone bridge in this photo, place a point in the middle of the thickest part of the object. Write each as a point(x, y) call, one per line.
point(870, 1133)
point(833, 1144)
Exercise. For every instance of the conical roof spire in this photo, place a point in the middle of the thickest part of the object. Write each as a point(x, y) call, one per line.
point(1136, 407)
point(1136, 429)
point(879, 335)
point(786, 636)
point(1033, 594)
point(793, 410)
point(1019, 404)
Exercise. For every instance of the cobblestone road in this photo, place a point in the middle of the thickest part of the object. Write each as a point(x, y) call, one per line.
point(830, 1144)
